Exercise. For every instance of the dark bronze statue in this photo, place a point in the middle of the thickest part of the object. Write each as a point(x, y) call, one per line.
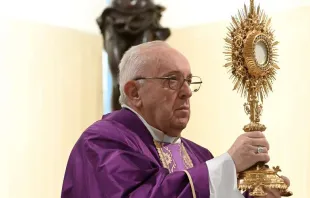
point(127, 23)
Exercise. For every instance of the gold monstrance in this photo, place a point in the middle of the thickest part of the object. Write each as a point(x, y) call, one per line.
point(251, 51)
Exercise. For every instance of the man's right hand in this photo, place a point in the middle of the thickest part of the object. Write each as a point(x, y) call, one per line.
point(244, 151)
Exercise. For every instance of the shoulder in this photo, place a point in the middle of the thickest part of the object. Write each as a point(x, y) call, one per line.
point(108, 133)
point(119, 127)
point(106, 128)
point(198, 149)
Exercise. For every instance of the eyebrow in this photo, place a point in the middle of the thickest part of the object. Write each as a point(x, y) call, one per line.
point(176, 72)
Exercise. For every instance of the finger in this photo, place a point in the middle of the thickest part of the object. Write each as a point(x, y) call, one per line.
point(272, 192)
point(254, 149)
point(286, 180)
point(254, 134)
point(260, 142)
point(262, 157)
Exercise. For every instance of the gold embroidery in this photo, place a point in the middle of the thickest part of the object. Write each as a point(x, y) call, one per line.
point(167, 159)
point(170, 160)
point(186, 159)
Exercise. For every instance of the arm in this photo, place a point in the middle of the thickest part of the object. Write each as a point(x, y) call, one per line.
point(223, 178)
point(241, 155)
point(102, 167)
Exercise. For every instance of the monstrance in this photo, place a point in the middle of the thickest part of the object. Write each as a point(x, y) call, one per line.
point(251, 51)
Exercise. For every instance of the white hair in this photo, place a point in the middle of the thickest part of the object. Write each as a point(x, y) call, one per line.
point(135, 63)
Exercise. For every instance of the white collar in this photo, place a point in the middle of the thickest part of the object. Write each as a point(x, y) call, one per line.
point(156, 133)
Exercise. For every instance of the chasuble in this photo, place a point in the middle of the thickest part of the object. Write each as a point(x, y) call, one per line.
point(122, 156)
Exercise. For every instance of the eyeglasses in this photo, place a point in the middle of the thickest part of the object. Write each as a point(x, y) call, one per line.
point(175, 82)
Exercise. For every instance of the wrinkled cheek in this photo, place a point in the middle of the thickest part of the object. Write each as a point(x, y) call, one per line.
point(162, 98)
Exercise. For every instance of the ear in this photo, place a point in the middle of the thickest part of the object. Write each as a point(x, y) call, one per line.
point(131, 90)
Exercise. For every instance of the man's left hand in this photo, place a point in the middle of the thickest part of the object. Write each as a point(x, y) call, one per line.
point(274, 193)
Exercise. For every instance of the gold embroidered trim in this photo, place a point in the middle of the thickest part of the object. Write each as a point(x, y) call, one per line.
point(167, 159)
point(161, 155)
point(186, 159)
point(191, 183)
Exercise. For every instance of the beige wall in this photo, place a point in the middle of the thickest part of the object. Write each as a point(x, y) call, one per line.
point(50, 80)
point(217, 111)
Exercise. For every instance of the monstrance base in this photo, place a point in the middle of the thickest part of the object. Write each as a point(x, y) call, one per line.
point(259, 177)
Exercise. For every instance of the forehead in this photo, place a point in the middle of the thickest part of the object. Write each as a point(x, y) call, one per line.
point(172, 61)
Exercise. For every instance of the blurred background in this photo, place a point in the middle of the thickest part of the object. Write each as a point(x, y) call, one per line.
point(55, 82)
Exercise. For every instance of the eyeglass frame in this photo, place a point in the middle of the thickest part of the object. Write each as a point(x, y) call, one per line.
point(170, 78)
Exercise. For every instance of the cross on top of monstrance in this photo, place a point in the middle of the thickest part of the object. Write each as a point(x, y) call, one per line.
point(251, 56)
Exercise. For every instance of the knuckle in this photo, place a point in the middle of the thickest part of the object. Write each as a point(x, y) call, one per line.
point(263, 142)
point(266, 144)
point(266, 150)
point(262, 134)
point(259, 134)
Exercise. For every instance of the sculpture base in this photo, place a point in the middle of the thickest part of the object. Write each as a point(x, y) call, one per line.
point(259, 177)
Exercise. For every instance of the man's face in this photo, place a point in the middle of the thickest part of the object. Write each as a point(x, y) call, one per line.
point(163, 105)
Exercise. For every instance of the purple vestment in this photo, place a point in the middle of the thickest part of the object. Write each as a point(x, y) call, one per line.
point(116, 157)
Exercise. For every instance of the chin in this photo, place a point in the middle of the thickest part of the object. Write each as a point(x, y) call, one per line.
point(176, 128)
point(181, 123)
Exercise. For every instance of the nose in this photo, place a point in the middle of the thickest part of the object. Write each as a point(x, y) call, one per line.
point(185, 91)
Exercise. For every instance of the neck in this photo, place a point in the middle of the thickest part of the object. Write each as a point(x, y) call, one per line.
point(172, 132)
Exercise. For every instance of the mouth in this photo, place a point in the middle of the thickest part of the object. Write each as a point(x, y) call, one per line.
point(183, 108)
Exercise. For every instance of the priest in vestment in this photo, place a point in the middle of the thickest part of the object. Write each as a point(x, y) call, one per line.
point(138, 151)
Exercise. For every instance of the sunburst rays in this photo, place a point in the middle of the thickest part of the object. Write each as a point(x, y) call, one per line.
point(246, 21)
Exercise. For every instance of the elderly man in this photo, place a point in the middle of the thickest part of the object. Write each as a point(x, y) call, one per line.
point(138, 151)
